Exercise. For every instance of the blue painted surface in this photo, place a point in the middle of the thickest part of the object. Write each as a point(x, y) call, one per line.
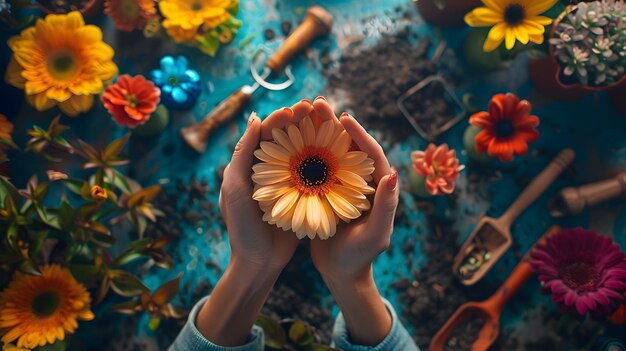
point(590, 126)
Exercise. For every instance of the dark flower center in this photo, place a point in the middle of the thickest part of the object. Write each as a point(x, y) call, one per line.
point(514, 14)
point(505, 128)
point(580, 276)
point(45, 304)
point(173, 80)
point(61, 65)
point(196, 6)
point(313, 171)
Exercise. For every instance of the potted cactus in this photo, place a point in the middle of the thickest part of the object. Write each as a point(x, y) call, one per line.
point(587, 51)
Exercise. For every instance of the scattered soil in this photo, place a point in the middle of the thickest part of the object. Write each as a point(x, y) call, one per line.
point(464, 335)
point(64, 6)
point(269, 34)
point(373, 78)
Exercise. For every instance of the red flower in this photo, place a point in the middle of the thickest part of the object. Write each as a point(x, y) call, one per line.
point(440, 167)
point(584, 271)
point(131, 100)
point(130, 14)
point(507, 128)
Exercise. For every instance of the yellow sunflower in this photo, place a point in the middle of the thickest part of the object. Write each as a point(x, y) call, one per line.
point(183, 18)
point(36, 310)
point(511, 20)
point(60, 61)
point(308, 178)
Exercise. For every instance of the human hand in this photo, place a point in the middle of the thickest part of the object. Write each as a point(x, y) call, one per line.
point(252, 240)
point(349, 254)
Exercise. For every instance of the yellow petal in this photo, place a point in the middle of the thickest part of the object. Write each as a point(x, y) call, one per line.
point(298, 216)
point(509, 38)
point(495, 37)
point(271, 192)
point(285, 203)
point(342, 206)
point(263, 156)
point(535, 7)
point(494, 5)
point(341, 145)
point(271, 177)
point(542, 20)
point(283, 140)
point(521, 34)
point(487, 15)
point(308, 131)
point(474, 21)
point(40, 101)
point(76, 104)
point(313, 213)
point(13, 74)
point(274, 150)
point(536, 38)
point(352, 158)
point(325, 134)
point(295, 137)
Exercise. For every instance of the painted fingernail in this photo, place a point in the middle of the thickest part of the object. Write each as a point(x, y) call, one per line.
point(393, 179)
point(307, 101)
point(343, 115)
point(320, 98)
point(288, 110)
point(251, 119)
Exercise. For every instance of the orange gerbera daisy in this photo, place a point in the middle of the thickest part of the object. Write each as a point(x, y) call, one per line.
point(440, 167)
point(507, 127)
point(128, 15)
point(131, 100)
point(37, 310)
point(308, 179)
point(60, 61)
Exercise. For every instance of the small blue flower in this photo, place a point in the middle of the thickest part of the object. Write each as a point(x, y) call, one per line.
point(180, 86)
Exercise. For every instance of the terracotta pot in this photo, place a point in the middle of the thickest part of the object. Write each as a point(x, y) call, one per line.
point(546, 74)
point(93, 8)
point(450, 16)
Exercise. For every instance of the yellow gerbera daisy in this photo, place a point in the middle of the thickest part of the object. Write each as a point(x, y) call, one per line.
point(36, 310)
point(511, 20)
point(307, 178)
point(184, 17)
point(61, 61)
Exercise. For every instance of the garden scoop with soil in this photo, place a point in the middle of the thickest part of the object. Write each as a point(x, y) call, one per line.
point(489, 310)
point(317, 22)
point(492, 236)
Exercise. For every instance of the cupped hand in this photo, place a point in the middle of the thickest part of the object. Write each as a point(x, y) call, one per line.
point(351, 251)
point(252, 240)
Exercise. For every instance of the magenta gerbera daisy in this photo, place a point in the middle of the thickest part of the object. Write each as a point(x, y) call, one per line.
point(583, 270)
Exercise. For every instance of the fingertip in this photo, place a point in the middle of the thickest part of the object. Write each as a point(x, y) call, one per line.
point(323, 109)
point(301, 109)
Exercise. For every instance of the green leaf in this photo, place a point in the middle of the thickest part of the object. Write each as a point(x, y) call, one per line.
point(274, 333)
point(12, 238)
point(74, 185)
point(166, 292)
point(115, 147)
point(128, 307)
point(126, 284)
point(300, 334)
point(29, 267)
point(154, 322)
point(36, 242)
point(120, 181)
point(84, 272)
point(8, 189)
point(126, 258)
point(104, 240)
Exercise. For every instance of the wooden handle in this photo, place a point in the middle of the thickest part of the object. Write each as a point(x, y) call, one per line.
point(198, 134)
point(538, 186)
point(574, 200)
point(518, 277)
point(317, 22)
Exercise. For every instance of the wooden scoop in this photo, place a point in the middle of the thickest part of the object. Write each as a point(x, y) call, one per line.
point(492, 237)
point(490, 309)
point(571, 201)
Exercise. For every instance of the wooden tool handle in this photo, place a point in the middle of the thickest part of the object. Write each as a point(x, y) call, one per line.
point(519, 276)
point(198, 134)
point(538, 186)
point(317, 22)
point(575, 200)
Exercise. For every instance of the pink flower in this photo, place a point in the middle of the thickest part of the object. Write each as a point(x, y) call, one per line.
point(440, 167)
point(583, 270)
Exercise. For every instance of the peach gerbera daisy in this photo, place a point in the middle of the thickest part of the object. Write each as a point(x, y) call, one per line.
point(61, 61)
point(39, 310)
point(308, 178)
point(128, 15)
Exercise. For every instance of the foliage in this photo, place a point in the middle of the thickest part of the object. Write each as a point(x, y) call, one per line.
point(289, 335)
point(590, 42)
point(75, 222)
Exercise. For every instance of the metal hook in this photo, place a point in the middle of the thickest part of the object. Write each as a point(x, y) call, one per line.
point(260, 79)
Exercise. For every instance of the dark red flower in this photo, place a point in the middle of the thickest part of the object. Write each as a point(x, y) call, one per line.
point(583, 270)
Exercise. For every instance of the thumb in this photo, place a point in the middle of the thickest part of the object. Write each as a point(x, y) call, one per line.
point(243, 156)
point(384, 209)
